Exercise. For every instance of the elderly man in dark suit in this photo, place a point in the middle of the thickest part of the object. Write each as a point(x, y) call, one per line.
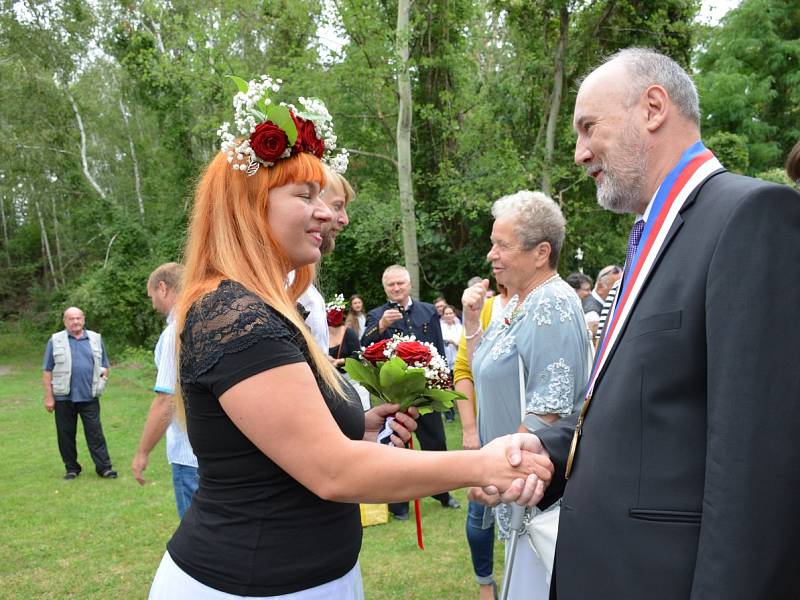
point(401, 314)
point(681, 475)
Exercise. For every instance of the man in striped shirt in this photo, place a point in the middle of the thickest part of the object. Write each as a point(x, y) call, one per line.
point(163, 287)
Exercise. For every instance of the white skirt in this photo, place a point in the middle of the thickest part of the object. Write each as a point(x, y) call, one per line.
point(172, 583)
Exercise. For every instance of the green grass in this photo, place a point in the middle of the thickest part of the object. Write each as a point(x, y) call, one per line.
point(103, 539)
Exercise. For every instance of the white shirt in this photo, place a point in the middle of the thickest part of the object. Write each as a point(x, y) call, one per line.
point(317, 319)
point(451, 333)
point(179, 450)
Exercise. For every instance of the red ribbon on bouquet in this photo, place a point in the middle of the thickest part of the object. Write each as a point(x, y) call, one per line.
point(417, 510)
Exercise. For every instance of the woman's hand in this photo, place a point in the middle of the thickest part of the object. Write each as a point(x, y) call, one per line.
point(403, 425)
point(472, 302)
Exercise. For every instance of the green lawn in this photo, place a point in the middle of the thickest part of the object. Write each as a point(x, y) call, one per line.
point(102, 539)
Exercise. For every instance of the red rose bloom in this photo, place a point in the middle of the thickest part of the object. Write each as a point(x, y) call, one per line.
point(307, 140)
point(268, 141)
point(374, 352)
point(335, 317)
point(413, 353)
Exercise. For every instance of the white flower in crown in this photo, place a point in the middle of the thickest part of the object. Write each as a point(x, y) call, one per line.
point(269, 132)
point(338, 303)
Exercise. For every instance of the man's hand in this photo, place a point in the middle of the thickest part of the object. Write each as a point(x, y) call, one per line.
point(49, 403)
point(403, 424)
point(525, 449)
point(138, 466)
point(388, 317)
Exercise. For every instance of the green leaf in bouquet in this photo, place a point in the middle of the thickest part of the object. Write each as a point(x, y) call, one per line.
point(444, 395)
point(366, 375)
point(400, 384)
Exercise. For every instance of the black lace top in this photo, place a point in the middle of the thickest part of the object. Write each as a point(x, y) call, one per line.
point(252, 530)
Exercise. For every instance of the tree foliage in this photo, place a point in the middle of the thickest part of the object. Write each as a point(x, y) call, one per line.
point(110, 111)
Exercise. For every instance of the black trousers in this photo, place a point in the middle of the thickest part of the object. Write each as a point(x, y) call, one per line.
point(430, 432)
point(67, 428)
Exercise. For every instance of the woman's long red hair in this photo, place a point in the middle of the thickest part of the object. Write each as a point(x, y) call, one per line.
point(230, 238)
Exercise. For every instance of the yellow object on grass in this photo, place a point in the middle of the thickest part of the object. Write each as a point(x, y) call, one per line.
point(374, 514)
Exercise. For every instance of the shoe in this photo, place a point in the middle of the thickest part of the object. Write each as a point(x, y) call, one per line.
point(451, 503)
point(400, 517)
point(108, 474)
point(71, 475)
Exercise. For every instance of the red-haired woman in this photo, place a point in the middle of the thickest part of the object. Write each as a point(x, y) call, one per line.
point(281, 439)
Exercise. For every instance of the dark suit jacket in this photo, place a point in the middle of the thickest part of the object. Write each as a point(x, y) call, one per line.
point(686, 482)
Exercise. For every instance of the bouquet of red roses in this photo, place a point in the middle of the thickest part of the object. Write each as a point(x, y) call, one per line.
point(403, 371)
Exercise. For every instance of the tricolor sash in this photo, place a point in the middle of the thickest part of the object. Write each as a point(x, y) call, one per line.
point(695, 165)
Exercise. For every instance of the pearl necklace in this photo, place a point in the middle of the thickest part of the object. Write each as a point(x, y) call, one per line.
point(510, 318)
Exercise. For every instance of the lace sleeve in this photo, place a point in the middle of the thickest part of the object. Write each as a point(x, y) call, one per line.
point(228, 320)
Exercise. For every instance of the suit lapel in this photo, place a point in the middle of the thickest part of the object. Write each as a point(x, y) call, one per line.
point(673, 231)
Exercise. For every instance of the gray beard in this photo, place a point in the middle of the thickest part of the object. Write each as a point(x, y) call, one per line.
point(623, 185)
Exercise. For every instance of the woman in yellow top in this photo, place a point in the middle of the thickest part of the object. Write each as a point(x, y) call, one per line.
point(481, 541)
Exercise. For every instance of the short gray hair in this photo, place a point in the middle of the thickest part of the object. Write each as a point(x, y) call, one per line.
point(648, 67)
point(395, 269)
point(537, 219)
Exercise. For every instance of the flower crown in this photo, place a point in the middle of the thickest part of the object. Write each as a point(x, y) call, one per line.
point(338, 303)
point(335, 310)
point(273, 131)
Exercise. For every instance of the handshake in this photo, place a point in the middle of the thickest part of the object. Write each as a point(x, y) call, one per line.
point(521, 471)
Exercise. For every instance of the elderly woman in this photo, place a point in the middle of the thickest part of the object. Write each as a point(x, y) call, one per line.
point(530, 368)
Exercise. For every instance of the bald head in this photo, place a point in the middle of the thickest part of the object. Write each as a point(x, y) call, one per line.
point(74, 321)
point(644, 67)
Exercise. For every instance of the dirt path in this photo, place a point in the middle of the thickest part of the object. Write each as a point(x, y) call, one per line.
point(4, 370)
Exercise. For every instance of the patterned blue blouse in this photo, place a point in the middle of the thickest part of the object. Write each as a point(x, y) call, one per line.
point(548, 332)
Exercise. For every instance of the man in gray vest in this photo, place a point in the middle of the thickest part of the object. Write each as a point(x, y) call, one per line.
point(75, 374)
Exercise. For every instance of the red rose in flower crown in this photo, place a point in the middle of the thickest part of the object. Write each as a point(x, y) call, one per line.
point(307, 140)
point(375, 352)
point(268, 141)
point(413, 353)
point(335, 317)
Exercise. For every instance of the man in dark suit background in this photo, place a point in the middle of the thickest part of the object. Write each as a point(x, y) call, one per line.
point(401, 314)
point(686, 468)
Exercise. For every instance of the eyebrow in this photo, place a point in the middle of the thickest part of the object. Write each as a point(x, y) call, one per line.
point(581, 121)
point(310, 186)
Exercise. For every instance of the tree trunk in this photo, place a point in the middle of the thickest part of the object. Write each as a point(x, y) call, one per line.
point(46, 244)
point(137, 179)
point(59, 258)
point(555, 101)
point(84, 162)
point(5, 229)
point(409, 219)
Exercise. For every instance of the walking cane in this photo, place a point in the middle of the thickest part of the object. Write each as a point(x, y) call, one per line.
point(517, 517)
